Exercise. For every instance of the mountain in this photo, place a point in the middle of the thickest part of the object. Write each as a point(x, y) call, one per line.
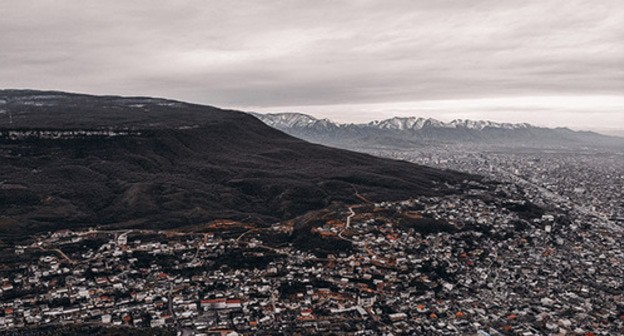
point(413, 123)
point(73, 160)
point(412, 131)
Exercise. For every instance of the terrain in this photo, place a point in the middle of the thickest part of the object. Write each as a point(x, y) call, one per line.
point(188, 218)
point(411, 132)
point(72, 161)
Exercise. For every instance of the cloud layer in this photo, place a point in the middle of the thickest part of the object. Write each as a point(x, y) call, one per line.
point(278, 55)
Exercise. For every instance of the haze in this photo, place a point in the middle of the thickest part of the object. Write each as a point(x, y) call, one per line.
point(551, 63)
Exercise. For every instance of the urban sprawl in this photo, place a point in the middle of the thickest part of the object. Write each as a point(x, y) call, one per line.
point(537, 254)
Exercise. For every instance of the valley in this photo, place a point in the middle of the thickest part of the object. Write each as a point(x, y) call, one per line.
point(222, 225)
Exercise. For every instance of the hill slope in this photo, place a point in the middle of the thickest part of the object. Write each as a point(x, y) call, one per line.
point(72, 160)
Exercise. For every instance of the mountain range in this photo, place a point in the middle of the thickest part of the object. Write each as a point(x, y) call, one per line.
point(72, 160)
point(411, 131)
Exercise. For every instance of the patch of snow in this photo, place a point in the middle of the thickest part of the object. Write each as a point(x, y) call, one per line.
point(170, 104)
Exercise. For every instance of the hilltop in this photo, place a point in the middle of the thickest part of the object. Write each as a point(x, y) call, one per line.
point(71, 160)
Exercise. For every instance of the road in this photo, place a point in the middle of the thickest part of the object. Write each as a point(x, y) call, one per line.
point(347, 225)
point(245, 233)
point(558, 199)
point(202, 242)
point(61, 253)
point(349, 217)
point(170, 304)
point(124, 235)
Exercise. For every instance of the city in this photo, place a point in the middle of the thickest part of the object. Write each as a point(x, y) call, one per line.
point(339, 168)
point(458, 264)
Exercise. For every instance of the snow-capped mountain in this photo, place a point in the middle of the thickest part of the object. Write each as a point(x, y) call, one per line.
point(413, 123)
point(409, 131)
point(294, 120)
point(480, 124)
point(300, 120)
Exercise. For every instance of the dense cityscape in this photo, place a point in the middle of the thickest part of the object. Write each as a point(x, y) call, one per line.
point(591, 181)
point(539, 254)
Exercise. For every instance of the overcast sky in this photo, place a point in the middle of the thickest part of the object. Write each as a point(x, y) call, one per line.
point(551, 63)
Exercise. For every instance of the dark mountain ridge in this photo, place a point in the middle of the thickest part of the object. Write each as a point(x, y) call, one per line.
point(70, 160)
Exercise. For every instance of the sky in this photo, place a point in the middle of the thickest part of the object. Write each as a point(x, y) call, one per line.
point(550, 63)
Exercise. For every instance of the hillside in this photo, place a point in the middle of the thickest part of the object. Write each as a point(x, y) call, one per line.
point(72, 160)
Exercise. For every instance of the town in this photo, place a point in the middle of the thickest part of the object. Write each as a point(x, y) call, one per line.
point(590, 180)
point(459, 264)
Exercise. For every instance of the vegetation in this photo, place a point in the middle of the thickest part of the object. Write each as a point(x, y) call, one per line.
point(175, 165)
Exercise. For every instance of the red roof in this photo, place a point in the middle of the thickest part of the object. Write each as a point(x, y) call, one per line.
point(212, 300)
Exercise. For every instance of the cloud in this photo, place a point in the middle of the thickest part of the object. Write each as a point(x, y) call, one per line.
point(284, 54)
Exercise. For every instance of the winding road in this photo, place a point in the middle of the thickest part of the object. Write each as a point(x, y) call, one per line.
point(347, 225)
